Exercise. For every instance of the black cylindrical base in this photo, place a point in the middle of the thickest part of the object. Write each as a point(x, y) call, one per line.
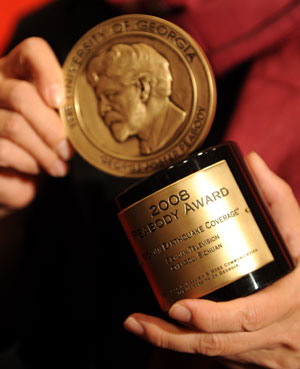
point(281, 262)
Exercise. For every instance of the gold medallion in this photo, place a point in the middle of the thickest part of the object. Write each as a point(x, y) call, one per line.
point(140, 95)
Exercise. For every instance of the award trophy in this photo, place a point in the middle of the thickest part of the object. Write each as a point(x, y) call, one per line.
point(141, 98)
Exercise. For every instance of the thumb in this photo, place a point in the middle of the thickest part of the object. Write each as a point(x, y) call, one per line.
point(280, 200)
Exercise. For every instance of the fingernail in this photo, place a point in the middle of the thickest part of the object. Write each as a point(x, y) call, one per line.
point(181, 313)
point(55, 95)
point(64, 150)
point(133, 326)
point(59, 169)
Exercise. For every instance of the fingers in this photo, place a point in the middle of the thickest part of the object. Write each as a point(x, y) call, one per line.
point(13, 127)
point(265, 307)
point(34, 61)
point(262, 322)
point(281, 201)
point(16, 191)
point(16, 95)
point(169, 336)
point(26, 119)
point(248, 314)
point(31, 134)
point(12, 156)
point(275, 190)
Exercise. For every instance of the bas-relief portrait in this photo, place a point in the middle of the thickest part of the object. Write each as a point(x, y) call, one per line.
point(133, 85)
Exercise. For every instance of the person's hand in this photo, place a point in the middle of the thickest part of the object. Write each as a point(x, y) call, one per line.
point(261, 329)
point(32, 138)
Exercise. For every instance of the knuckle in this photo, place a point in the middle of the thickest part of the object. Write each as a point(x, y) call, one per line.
point(211, 345)
point(11, 127)
point(31, 44)
point(19, 94)
point(26, 197)
point(290, 340)
point(161, 340)
point(18, 193)
point(251, 319)
point(208, 325)
point(3, 153)
point(285, 188)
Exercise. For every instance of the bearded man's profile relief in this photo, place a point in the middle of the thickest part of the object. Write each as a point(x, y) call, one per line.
point(133, 84)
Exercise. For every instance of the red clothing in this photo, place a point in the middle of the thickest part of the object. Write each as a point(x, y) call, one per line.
point(266, 118)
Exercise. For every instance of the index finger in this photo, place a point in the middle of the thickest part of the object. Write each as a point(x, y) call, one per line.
point(33, 60)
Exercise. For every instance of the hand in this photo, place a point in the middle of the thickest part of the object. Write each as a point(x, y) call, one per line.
point(261, 329)
point(32, 137)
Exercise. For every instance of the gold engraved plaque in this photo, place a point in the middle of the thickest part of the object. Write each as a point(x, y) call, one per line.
point(140, 95)
point(195, 235)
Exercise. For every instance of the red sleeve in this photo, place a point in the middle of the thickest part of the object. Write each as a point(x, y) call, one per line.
point(232, 31)
point(267, 115)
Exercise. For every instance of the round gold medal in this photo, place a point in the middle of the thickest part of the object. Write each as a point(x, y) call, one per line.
point(140, 95)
